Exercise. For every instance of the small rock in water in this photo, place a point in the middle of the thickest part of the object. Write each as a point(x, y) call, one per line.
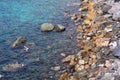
point(59, 28)
point(1, 76)
point(13, 66)
point(45, 27)
point(63, 54)
point(19, 41)
point(56, 68)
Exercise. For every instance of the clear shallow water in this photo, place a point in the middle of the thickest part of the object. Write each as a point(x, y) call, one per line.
point(23, 18)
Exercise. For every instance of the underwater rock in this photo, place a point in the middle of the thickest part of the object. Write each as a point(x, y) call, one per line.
point(63, 54)
point(13, 66)
point(59, 28)
point(19, 41)
point(45, 27)
point(56, 68)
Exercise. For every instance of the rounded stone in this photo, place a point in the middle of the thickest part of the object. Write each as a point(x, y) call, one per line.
point(45, 27)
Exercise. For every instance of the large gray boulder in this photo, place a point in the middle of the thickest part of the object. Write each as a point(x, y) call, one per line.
point(45, 27)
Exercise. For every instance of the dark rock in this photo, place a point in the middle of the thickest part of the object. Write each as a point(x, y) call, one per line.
point(116, 0)
point(19, 41)
point(116, 51)
point(45, 27)
point(59, 28)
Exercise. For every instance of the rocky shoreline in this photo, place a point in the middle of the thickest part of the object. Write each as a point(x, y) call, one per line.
point(98, 36)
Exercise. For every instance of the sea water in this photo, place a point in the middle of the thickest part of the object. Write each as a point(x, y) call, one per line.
point(23, 18)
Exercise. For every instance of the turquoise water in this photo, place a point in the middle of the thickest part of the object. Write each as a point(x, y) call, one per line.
point(23, 18)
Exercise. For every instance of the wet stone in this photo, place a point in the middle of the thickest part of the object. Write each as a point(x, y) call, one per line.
point(56, 68)
point(63, 54)
point(13, 66)
point(20, 40)
point(45, 27)
point(59, 28)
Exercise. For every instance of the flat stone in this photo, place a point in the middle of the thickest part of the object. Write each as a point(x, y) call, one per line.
point(56, 68)
point(13, 67)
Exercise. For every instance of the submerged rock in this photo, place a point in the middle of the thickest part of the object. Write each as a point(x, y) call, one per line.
point(56, 68)
point(19, 41)
point(45, 27)
point(13, 66)
point(59, 28)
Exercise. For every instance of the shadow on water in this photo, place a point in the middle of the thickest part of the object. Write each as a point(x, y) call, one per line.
point(23, 18)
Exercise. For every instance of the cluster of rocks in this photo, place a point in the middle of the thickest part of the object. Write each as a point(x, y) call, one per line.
point(108, 70)
point(98, 26)
point(46, 27)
